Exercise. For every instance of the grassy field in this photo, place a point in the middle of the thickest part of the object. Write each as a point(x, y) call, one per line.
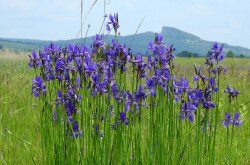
point(20, 137)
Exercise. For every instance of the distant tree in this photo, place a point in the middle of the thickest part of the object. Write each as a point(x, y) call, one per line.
point(195, 55)
point(187, 54)
point(1, 46)
point(242, 56)
point(230, 54)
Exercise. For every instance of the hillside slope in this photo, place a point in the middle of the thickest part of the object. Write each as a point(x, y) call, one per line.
point(181, 40)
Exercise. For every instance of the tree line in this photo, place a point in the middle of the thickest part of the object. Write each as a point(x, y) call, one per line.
point(229, 54)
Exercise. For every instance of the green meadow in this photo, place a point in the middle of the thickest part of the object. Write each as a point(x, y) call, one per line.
point(20, 112)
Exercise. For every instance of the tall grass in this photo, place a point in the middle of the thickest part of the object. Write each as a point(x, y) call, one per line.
point(154, 135)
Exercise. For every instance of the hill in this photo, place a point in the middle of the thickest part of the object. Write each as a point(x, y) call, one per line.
point(181, 40)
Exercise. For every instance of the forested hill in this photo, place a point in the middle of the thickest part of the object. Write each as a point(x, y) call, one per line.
point(181, 40)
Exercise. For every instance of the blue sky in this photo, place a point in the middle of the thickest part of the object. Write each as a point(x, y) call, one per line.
point(215, 20)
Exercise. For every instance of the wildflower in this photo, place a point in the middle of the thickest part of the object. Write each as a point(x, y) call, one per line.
point(187, 110)
point(70, 108)
point(150, 63)
point(128, 101)
point(158, 38)
point(150, 83)
point(139, 66)
point(114, 88)
point(163, 53)
point(98, 41)
point(35, 60)
point(38, 86)
point(113, 21)
point(60, 67)
point(90, 66)
point(217, 52)
point(181, 86)
point(194, 94)
point(152, 92)
point(231, 91)
point(53, 48)
point(76, 131)
point(219, 68)
point(140, 94)
point(236, 120)
point(227, 120)
point(212, 84)
point(59, 99)
point(123, 118)
point(208, 104)
point(75, 126)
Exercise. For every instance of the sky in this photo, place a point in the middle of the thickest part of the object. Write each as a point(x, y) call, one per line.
point(224, 21)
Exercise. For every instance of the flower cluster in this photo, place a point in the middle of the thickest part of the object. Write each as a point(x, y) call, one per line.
point(100, 69)
point(229, 120)
point(232, 92)
point(38, 86)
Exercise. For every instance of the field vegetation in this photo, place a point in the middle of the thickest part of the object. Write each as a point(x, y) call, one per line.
point(21, 128)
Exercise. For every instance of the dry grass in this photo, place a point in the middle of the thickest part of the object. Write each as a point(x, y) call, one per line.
point(13, 55)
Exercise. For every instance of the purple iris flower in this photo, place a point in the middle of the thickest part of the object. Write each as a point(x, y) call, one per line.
point(70, 108)
point(183, 83)
point(59, 99)
point(237, 120)
point(95, 78)
point(150, 83)
point(231, 91)
point(165, 74)
point(212, 81)
point(187, 110)
point(158, 38)
point(38, 86)
point(219, 68)
point(194, 94)
point(90, 66)
point(114, 21)
point(75, 126)
point(114, 88)
point(129, 101)
point(212, 84)
point(158, 76)
point(152, 92)
point(140, 94)
point(181, 86)
point(139, 66)
point(123, 118)
point(196, 78)
point(199, 75)
point(98, 41)
point(73, 50)
point(228, 120)
point(150, 63)
point(60, 68)
point(78, 82)
point(35, 60)
point(53, 47)
point(76, 131)
point(208, 104)
point(217, 52)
